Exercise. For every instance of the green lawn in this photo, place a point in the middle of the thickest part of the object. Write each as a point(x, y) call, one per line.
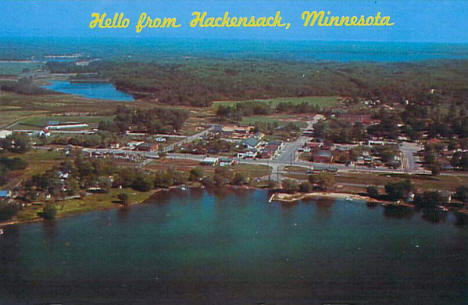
point(280, 119)
point(41, 121)
point(89, 203)
point(321, 101)
point(15, 68)
point(252, 171)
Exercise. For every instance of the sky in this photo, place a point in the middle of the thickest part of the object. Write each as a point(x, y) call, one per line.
point(415, 20)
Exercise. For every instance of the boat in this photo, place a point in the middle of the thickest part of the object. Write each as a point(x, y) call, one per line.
point(441, 207)
point(183, 188)
point(2, 232)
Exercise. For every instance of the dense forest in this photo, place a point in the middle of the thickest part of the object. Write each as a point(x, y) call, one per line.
point(198, 82)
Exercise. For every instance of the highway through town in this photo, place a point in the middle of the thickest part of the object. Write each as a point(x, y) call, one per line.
point(286, 157)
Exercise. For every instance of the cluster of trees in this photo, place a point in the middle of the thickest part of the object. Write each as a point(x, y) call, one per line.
point(462, 194)
point(398, 190)
point(339, 131)
point(10, 164)
point(7, 210)
point(155, 120)
point(23, 86)
point(427, 115)
point(460, 160)
point(100, 139)
point(221, 177)
point(387, 154)
point(388, 126)
point(321, 181)
point(16, 143)
point(243, 109)
point(284, 131)
point(433, 154)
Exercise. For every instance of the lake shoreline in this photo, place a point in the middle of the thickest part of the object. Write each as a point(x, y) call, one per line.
point(295, 197)
point(283, 198)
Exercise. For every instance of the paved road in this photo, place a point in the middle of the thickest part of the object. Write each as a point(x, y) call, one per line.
point(410, 162)
point(287, 157)
point(188, 139)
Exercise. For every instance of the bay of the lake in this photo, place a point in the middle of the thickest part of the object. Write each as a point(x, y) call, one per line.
point(233, 247)
point(95, 90)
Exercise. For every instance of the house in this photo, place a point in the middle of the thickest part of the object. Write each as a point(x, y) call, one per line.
point(223, 161)
point(5, 133)
point(160, 139)
point(5, 194)
point(44, 133)
point(446, 196)
point(236, 131)
point(211, 161)
point(134, 144)
point(250, 143)
point(114, 145)
point(147, 147)
point(278, 143)
point(323, 156)
point(375, 142)
point(247, 154)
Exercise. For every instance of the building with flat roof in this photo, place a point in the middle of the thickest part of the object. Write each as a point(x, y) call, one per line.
point(5, 133)
point(211, 161)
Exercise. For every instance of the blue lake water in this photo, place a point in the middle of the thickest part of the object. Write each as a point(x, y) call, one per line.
point(160, 49)
point(105, 91)
point(228, 247)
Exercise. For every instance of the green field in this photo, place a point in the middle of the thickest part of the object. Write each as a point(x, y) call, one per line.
point(15, 68)
point(41, 121)
point(321, 101)
point(251, 120)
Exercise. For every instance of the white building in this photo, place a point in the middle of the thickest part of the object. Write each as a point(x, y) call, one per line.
point(5, 133)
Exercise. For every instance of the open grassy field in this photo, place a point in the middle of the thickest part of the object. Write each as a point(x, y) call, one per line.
point(280, 119)
point(35, 108)
point(321, 101)
point(41, 121)
point(253, 171)
point(17, 67)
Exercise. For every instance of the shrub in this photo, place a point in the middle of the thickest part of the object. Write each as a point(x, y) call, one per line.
point(372, 191)
point(49, 212)
point(290, 185)
point(123, 198)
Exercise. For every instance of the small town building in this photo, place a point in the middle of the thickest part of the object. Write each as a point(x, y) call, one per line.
point(210, 161)
point(251, 143)
point(223, 161)
point(5, 194)
point(67, 126)
point(5, 133)
point(247, 154)
point(134, 144)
